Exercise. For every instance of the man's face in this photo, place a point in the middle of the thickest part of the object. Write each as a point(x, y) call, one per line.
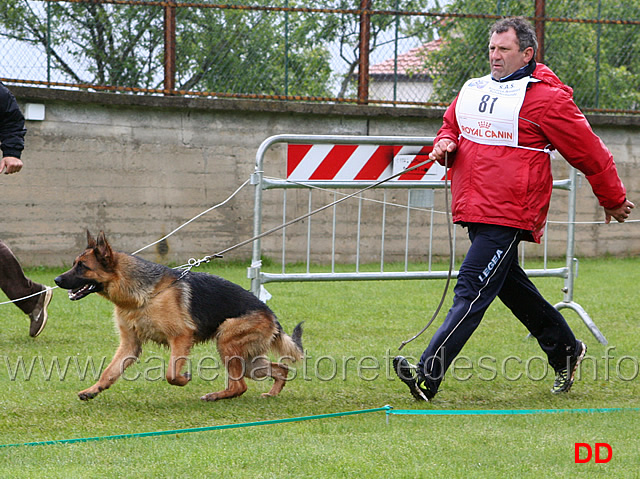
point(505, 56)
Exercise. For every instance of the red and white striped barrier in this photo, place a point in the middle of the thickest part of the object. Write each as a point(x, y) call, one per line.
point(407, 156)
point(359, 163)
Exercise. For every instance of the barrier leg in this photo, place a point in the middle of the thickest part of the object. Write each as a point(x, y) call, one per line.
point(585, 318)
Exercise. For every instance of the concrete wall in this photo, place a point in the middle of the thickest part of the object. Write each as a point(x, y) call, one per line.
point(138, 167)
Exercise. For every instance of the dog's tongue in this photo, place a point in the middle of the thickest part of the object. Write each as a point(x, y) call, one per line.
point(80, 293)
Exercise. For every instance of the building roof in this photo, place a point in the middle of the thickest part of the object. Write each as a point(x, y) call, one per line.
point(409, 63)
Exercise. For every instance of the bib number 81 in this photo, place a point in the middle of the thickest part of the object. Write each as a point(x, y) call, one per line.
point(484, 102)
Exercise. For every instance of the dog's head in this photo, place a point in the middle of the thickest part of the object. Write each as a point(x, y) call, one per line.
point(92, 270)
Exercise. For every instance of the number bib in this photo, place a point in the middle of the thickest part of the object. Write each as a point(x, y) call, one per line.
point(487, 111)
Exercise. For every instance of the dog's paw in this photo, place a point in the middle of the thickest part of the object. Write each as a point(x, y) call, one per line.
point(181, 380)
point(210, 397)
point(86, 395)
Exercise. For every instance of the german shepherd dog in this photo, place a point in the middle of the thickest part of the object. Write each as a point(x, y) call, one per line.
point(156, 303)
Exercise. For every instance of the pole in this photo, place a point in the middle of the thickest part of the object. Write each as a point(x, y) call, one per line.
point(597, 103)
point(395, 56)
point(363, 70)
point(286, 49)
point(539, 24)
point(49, 42)
point(169, 49)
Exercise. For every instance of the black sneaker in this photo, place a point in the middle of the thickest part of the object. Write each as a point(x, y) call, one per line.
point(39, 314)
point(565, 376)
point(410, 375)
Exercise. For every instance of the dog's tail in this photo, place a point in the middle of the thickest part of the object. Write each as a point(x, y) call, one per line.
point(289, 347)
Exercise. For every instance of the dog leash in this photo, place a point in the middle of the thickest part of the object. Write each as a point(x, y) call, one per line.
point(197, 262)
point(193, 262)
point(451, 257)
point(46, 288)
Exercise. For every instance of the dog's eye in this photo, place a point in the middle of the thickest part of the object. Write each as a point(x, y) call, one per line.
point(80, 266)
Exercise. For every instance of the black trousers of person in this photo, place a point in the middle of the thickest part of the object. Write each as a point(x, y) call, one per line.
point(491, 269)
point(14, 283)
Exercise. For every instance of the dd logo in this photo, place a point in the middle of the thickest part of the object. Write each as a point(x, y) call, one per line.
point(590, 452)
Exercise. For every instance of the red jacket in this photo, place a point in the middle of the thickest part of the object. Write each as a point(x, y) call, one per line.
point(512, 186)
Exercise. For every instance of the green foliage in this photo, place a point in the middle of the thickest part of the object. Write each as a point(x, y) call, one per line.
point(91, 43)
point(235, 51)
point(299, 53)
point(601, 62)
point(231, 51)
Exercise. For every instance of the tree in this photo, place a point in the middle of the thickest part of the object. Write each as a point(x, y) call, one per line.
point(231, 51)
point(347, 30)
point(240, 51)
point(88, 42)
point(601, 62)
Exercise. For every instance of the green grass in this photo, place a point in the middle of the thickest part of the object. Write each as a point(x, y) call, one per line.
point(352, 330)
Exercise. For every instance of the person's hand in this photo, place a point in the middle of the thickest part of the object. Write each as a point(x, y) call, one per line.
point(439, 149)
point(10, 164)
point(620, 214)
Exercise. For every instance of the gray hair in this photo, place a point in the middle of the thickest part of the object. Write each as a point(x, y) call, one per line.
point(524, 31)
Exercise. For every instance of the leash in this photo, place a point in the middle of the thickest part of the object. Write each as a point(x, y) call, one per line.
point(46, 288)
point(197, 262)
point(194, 218)
point(193, 263)
point(451, 256)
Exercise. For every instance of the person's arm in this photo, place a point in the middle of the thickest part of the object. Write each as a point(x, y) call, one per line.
point(570, 133)
point(12, 129)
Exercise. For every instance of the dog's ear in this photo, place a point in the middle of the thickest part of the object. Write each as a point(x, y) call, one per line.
point(103, 251)
point(91, 243)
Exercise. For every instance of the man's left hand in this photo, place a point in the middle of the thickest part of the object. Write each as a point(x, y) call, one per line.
point(620, 214)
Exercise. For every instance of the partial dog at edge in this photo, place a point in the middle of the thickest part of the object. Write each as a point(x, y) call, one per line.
point(152, 303)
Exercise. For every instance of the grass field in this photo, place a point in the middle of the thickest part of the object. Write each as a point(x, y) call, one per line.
point(352, 331)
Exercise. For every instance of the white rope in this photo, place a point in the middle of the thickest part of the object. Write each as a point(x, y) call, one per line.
point(194, 218)
point(192, 262)
point(46, 288)
point(370, 200)
point(602, 222)
point(416, 208)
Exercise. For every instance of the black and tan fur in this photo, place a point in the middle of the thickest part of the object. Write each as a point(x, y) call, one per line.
point(153, 303)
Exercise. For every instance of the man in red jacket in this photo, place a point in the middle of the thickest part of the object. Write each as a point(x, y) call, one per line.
point(497, 137)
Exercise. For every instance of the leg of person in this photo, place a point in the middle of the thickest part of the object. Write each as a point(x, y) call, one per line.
point(546, 324)
point(493, 248)
point(16, 285)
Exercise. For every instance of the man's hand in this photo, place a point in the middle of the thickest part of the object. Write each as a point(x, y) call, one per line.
point(439, 149)
point(10, 164)
point(620, 214)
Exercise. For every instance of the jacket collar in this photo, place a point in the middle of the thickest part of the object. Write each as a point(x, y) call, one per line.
point(525, 71)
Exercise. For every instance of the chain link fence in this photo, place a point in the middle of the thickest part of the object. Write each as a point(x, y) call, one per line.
point(400, 52)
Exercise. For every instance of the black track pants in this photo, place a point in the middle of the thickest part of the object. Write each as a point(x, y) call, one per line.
point(491, 269)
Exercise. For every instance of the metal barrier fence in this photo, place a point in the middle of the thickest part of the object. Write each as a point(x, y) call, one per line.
point(340, 163)
point(392, 52)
